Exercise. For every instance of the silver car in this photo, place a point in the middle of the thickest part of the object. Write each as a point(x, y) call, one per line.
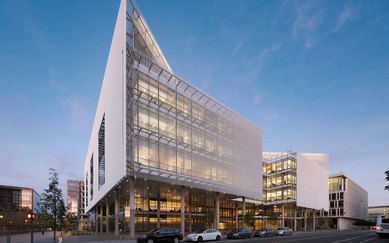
point(284, 231)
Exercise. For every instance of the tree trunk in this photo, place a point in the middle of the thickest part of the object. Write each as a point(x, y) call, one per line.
point(55, 225)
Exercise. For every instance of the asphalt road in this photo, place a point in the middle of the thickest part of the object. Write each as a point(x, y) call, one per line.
point(321, 237)
point(305, 237)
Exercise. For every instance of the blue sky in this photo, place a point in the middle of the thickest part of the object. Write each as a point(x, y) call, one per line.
point(314, 75)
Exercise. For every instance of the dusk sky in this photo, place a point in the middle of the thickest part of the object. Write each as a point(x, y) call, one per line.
point(314, 75)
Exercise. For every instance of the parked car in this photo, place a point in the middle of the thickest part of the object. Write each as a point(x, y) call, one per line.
point(203, 235)
point(161, 235)
point(284, 231)
point(240, 233)
point(265, 232)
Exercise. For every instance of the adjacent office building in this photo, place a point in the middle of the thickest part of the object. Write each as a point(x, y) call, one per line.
point(161, 151)
point(374, 211)
point(76, 203)
point(295, 187)
point(14, 198)
point(72, 196)
point(348, 202)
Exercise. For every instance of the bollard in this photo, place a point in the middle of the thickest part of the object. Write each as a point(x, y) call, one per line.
point(8, 239)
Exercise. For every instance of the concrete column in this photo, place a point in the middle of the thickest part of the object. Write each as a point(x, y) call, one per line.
point(116, 212)
point(101, 218)
point(243, 211)
point(305, 219)
point(97, 216)
point(107, 215)
point(131, 191)
point(295, 218)
point(283, 215)
point(183, 210)
point(314, 220)
point(217, 205)
point(236, 216)
point(158, 209)
point(190, 213)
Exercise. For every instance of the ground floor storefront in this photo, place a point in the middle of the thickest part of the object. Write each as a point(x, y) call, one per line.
point(138, 205)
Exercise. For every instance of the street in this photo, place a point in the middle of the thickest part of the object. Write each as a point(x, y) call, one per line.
point(316, 237)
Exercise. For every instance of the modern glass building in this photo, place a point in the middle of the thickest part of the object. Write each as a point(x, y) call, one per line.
point(348, 202)
point(14, 198)
point(72, 196)
point(162, 152)
point(374, 211)
point(295, 186)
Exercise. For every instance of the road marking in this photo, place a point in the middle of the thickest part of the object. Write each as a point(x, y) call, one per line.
point(351, 238)
point(367, 240)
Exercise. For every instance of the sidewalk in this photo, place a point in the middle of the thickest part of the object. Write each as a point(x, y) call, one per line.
point(48, 238)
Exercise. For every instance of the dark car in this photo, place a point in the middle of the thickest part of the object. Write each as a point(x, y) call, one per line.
point(265, 232)
point(161, 235)
point(240, 233)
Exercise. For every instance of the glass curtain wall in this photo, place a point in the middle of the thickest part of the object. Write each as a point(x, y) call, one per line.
point(191, 141)
point(279, 180)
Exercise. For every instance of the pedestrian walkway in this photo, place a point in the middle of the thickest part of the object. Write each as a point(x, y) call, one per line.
point(48, 238)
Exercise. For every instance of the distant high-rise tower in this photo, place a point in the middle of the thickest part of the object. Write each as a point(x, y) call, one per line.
point(73, 188)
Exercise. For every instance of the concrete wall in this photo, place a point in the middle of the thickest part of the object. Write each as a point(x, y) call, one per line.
point(312, 181)
point(112, 104)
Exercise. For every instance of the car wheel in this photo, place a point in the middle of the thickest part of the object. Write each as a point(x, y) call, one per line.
point(250, 236)
point(218, 237)
point(150, 241)
point(176, 240)
point(200, 239)
point(239, 237)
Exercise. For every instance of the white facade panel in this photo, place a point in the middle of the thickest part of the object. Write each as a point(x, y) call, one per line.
point(111, 105)
point(355, 201)
point(312, 181)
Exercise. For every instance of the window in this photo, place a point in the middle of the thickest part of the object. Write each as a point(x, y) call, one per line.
point(91, 177)
point(86, 189)
point(332, 204)
point(340, 204)
point(341, 196)
point(102, 153)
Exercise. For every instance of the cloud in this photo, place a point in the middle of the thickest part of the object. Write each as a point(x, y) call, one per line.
point(79, 115)
point(255, 63)
point(57, 85)
point(257, 99)
point(348, 14)
point(307, 20)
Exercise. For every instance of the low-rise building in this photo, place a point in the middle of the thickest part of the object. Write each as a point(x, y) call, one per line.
point(295, 185)
point(374, 211)
point(13, 198)
point(348, 203)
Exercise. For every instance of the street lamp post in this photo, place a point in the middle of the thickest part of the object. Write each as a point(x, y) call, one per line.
point(31, 217)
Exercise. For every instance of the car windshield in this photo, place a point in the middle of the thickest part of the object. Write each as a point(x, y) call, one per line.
point(236, 230)
point(199, 231)
point(152, 231)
